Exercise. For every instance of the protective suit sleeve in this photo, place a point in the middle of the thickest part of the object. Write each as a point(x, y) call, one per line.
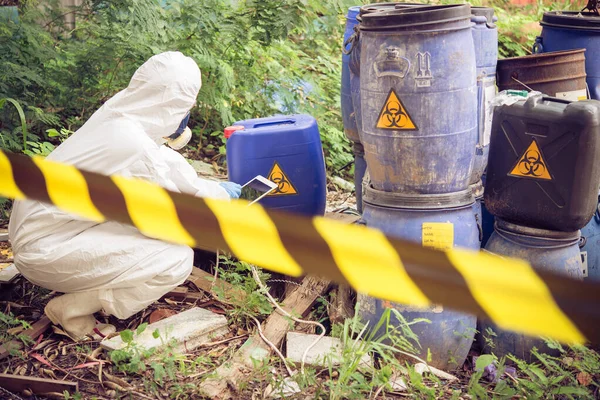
point(180, 173)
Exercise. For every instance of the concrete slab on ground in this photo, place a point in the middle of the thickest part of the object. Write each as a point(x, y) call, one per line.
point(8, 272)
point(326, 349)
point(190, 329)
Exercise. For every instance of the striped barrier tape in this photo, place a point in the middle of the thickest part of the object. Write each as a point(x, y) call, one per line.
point(508, 292)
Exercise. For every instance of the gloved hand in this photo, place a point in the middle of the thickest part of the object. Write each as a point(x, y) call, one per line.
point(233, 189)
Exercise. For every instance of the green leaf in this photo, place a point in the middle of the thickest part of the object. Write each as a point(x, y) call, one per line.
point(483, 361)
point(140, 329)
point(52, 133)
point(22, 118)
point(156, 334)
point(159, 372)
point(539, 373)
point(574, 390)
point(127, 336)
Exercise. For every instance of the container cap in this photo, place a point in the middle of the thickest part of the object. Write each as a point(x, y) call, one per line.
point(386, 7)
point(571, 20)
point(408, 15)
point(231, 129)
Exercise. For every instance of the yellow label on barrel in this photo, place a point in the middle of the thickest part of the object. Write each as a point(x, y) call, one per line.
point(438, 235)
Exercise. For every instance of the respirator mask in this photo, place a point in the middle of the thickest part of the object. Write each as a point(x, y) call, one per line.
point(182, 135)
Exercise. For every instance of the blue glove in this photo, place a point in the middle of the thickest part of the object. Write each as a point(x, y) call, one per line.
point(233, 189)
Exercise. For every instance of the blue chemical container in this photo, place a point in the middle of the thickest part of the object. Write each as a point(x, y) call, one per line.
point(569, 30)
point(442, 222)
point(418, 97)
point(485, 39)
point(287, 150)
point(590, 247)
point(349, 114)
point(556, 252)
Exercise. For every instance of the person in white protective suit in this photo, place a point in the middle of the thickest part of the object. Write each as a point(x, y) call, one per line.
point(110, 266)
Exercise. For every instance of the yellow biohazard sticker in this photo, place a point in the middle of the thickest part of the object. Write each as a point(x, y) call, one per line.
point(394, 115)
point(531, 164)
point(284, 185)
point(437, 235)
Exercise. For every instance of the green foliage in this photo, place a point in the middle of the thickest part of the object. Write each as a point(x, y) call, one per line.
point(257, 59)
point(7, 137)
point(7, 322)
point(163, 363)
point(239, 274)
point(572, 374)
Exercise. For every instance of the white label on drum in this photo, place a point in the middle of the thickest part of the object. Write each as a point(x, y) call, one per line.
point(489, 92)
point(573, 95)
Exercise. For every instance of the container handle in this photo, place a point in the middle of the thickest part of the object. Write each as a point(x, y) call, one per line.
point(352, 41)
point(281, 122)
point(556, 100)
point(538, 47)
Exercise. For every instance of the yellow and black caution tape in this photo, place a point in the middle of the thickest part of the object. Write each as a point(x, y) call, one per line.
point(507, 291)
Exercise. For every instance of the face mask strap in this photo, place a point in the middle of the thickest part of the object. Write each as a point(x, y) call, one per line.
point(181, 127)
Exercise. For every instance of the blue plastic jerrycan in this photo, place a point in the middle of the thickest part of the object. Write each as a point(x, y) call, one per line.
point(287, 150)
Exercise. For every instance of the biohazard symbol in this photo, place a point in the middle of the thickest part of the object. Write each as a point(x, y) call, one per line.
point(394, 116)
point(284, 185)
point(532, 164)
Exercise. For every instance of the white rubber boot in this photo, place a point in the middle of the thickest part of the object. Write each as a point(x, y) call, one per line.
point(75, 313)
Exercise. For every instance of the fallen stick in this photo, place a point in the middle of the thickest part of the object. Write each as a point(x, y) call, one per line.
point(207, 282)
point(298, 302)
point(36, 330)
point(421, 367)
point(18, 383)
point(181, 294)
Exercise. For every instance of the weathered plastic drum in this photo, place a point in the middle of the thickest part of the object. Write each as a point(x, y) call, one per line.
point(556, 252)
point(418, 97)
point(439, 221)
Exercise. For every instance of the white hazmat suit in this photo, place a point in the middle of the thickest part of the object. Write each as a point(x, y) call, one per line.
point(111, 266)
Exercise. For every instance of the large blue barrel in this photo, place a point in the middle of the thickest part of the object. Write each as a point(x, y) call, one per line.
point(569, 30)
point(287, 150)
point(348, 115)
point(418, 98)
point(556, 252)
point(485, 39)
point(590, 247)
point(439, 221)
point(353, 48)
point(348, 112)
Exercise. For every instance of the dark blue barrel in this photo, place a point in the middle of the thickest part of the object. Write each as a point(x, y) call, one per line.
point(348, 115)
point(353, 48)
point(590, 247)
point(485, 39)
point(439, 221)
point(569, 30)
point(477, 190)
point(348, 111)
point(287, 150)
point(487, 219)
point(556, 252)
point(418, 98)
